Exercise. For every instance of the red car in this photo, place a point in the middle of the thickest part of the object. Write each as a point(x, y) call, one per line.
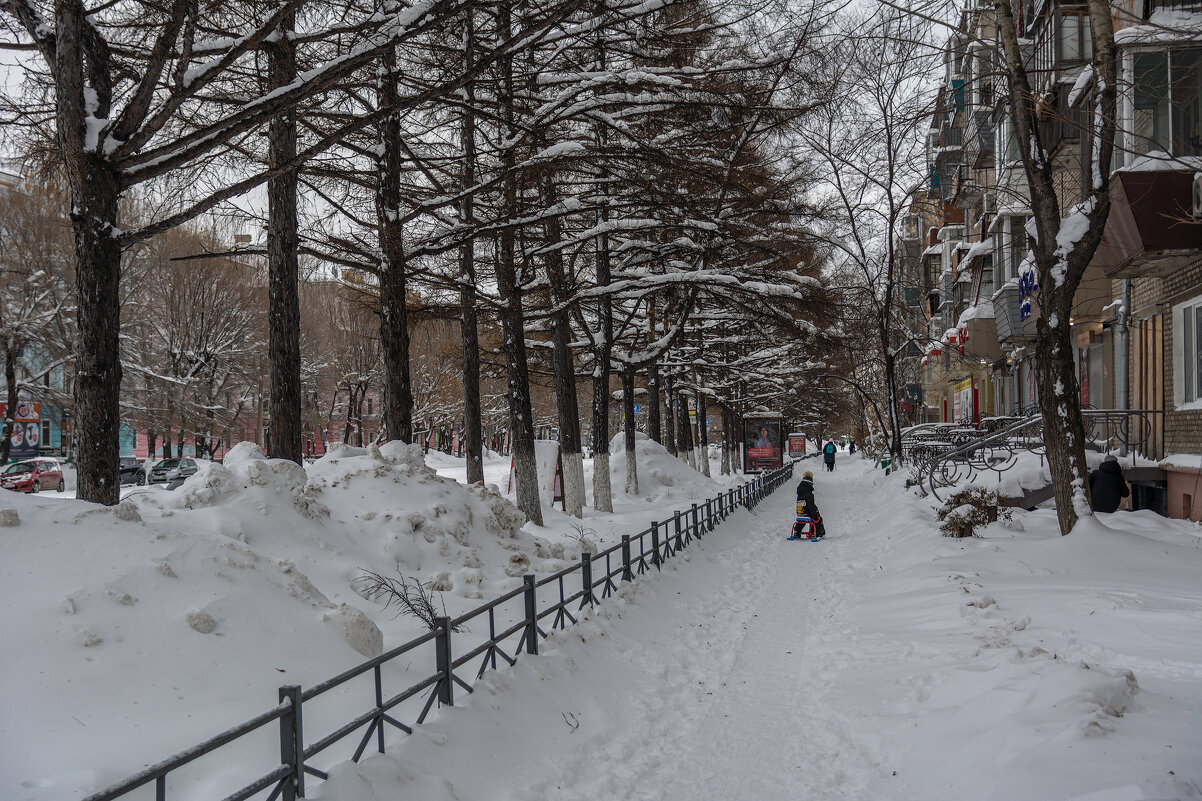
point(33, 475)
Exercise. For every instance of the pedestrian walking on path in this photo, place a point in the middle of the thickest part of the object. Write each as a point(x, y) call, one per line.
point(828, 455)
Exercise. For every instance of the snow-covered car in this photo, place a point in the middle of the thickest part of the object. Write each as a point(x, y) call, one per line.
point(168, 470)
point(132, 470)
point(33, 475)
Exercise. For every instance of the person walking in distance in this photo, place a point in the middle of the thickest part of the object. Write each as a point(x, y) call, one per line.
point(828, 455)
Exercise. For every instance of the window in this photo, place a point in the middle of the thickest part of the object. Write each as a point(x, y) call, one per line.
point(45, 433)
point(1166, 102)
point(1075, 42)
point(1017, 239)
point(370, 407)
point(1187, 353)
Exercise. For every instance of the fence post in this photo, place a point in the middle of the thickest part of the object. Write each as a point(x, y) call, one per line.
point(696, 522)
point(676, 522)
point(709, 515)
point(292, 743)
point(627, 573)
point(586, 573)
point(442, 659)
point(531, 616)
point(655, 544)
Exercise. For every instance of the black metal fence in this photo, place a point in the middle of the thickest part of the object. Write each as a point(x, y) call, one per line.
point(517, 622)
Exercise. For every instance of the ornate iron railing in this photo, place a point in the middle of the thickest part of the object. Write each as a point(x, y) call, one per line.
point(594, 578)
point(944, 455)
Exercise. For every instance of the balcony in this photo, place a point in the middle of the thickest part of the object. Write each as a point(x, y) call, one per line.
point(1150, 230)
point(1007, 313)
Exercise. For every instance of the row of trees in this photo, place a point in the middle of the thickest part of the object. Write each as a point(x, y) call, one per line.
point(599, 191)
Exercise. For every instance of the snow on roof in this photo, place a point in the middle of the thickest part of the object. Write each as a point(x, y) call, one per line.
point(1158, 160)
point(982, 311)
point(1181, 461)
point(933, 250)
point(1165, 25)
point(982, 248)
point(1081, 85)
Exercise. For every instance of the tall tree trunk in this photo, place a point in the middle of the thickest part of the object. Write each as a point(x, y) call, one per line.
point(283, 294)
point(561, 357)
point(468, 328)
point(726, 427)
point(151, 439)
point(669, 413)
point(398, 395)
point(684, 439)
point(654, 426)
point(703, 443)
point(98, 355)
point(10, 413)
point(632, 470)
point(394, 319)
point(602, 490)
point(95, 191)
point(513, 322)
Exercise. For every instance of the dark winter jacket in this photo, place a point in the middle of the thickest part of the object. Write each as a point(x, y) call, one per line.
point(805, 494)
point(1107, 487)
point(828, 453)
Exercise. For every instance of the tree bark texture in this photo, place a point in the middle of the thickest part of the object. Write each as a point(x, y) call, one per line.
point(654, 424)
point(670, 413)
point(513, 323)
point(283, 293)
point(632, 470)
point(468, 327)
point(10, 414)
point(684, 438)
point(562, 363)
point(703, 445)
point(394, 318)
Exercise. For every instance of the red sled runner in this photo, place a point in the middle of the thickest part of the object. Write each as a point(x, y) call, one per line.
point(805, 527)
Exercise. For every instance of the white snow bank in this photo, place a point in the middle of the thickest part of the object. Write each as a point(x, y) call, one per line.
point(659, 471)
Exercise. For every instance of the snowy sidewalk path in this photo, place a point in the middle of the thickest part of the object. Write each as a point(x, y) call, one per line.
point(700, 691)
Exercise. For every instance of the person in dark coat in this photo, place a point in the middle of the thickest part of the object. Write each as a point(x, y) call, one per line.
point(851, 446)
point(805, 495)
point(1107, 487)
point(828, 455)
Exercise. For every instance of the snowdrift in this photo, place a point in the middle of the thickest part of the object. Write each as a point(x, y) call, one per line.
point(659, 472)
point(194, 605)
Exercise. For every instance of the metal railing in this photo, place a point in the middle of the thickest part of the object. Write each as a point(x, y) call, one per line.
point(948, 454)
point(594, 578)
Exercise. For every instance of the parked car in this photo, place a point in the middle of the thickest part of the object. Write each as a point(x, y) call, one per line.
point(33, 475)
point(132, 470)
point(168, 470)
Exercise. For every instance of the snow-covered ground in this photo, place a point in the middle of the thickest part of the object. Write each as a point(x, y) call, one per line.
point(884, 663)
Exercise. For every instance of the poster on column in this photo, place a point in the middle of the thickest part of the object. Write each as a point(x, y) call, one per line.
point(762, 443)
point(797, 446)
point(26, 436)
point(963, 410)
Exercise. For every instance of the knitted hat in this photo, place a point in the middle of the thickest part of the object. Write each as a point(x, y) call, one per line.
point(807, 474)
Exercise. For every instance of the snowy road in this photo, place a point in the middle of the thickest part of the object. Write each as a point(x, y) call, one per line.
point(703, 690)
point(886, 662)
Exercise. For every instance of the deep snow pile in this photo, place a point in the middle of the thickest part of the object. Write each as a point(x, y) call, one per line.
point(660, 473)
point(136, 631)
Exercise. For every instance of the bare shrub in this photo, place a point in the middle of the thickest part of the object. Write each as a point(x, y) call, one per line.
point(407, 594)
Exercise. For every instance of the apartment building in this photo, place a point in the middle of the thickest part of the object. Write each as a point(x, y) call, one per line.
point(1137, 316)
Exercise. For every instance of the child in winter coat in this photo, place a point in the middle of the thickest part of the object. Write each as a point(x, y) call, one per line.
point(805, 497)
